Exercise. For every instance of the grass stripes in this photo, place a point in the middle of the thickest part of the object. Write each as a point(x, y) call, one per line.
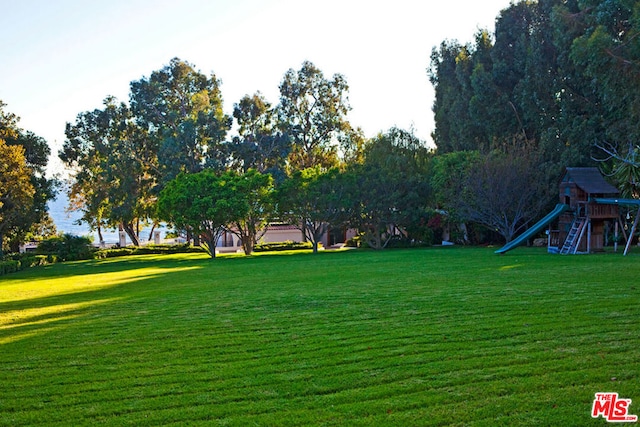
point(421, 337)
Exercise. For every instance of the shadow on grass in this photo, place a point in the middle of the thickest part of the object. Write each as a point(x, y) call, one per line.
point(37, 302)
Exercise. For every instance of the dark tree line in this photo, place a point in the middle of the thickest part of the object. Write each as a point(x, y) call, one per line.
point(556, 80)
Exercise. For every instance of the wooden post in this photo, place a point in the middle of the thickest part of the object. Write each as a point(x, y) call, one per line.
point(589, 236)
point(631, 233)
point(615, 237)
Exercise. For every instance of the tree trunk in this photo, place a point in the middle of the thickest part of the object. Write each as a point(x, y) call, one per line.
point(153, 227)
point(211, 243)
point(100, 238)
point(128, 228)
point(247, 244)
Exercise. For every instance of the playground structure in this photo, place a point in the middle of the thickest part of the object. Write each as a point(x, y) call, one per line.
point(587, 208)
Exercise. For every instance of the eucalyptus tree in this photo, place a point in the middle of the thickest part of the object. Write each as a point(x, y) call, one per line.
point(181, 109)
point(114, 165)
point(259, 145)
point(313, 112)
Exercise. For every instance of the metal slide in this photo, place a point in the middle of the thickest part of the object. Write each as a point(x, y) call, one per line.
point(535, 229)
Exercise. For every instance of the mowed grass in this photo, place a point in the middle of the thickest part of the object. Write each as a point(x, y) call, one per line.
point(451, 336)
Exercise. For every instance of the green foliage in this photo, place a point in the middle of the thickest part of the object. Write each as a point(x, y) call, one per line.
point(257, 190)
point(114, 161)
point(9, 266)
point(66, 247)
point(259, 144)
point(282, 246)
point(181, 109)
point(24, 189)
point(559, 75)
point(389, 192)
point(312, 200)
point(147, 250)
point(16, 190)
point(312, 111)
point(204, 203)
point(19, 262)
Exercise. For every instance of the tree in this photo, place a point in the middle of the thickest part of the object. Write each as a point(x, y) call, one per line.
point(35, 221)
point(312, 112)
point(16, 189)
point(504, 190)
point(450, 74)
point(257, 191)
point(181, 109)
point(391, 189)
point(204, 202)
point(259, 144)
point(312, 200)
point(115, 165)
point(25, 218)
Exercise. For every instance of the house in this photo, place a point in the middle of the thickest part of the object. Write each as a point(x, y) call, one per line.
point(278, 232)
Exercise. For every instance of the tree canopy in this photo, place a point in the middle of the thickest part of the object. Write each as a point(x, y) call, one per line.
point(204, 202)
point(24, 188)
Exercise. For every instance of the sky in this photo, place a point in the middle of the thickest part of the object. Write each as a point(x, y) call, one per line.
point(61, 58)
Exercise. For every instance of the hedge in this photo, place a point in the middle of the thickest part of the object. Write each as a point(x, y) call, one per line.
point(282, 246)
point(20, 262)
point(147, 250)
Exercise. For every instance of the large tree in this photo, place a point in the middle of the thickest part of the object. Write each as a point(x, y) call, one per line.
point(313, 200)
point(27, 218)
point(504, 191)
point(259, 145)
point(390, 187)
point(518, 80)
point(312, 111)
point(181, 109)
point(114, 165)
point(16, 189)
point(204, 202)
point(257, 190)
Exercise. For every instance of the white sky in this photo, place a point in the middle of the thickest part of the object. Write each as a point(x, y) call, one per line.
point(59, 58)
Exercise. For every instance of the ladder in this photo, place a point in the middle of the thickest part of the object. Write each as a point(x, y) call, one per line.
point(573, 238)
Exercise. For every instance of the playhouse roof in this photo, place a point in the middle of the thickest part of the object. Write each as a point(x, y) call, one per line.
point(589, 180)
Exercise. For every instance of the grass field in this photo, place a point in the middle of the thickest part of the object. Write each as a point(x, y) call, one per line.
point(406, 337)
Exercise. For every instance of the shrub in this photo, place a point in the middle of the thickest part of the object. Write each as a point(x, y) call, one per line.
point(17, 262)
point(66, 247)
point(147, 250)
point(282, 246)
point(9, 266)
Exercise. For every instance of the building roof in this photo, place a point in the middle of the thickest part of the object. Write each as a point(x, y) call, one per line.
point(589, 180)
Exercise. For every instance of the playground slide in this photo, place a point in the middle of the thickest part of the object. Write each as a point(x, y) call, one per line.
point(535, 229)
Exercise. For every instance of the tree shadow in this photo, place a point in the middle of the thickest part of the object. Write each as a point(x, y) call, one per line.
point(26, 315)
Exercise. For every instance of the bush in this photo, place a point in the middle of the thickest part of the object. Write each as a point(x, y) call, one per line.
point(9, 266)
point(17, 262)
point(148, 250)
point(282, 246)
point(66, 247)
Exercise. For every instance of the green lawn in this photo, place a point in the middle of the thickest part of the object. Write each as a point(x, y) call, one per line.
point(449, 336)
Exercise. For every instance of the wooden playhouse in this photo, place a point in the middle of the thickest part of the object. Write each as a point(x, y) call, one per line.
point(590, 212)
